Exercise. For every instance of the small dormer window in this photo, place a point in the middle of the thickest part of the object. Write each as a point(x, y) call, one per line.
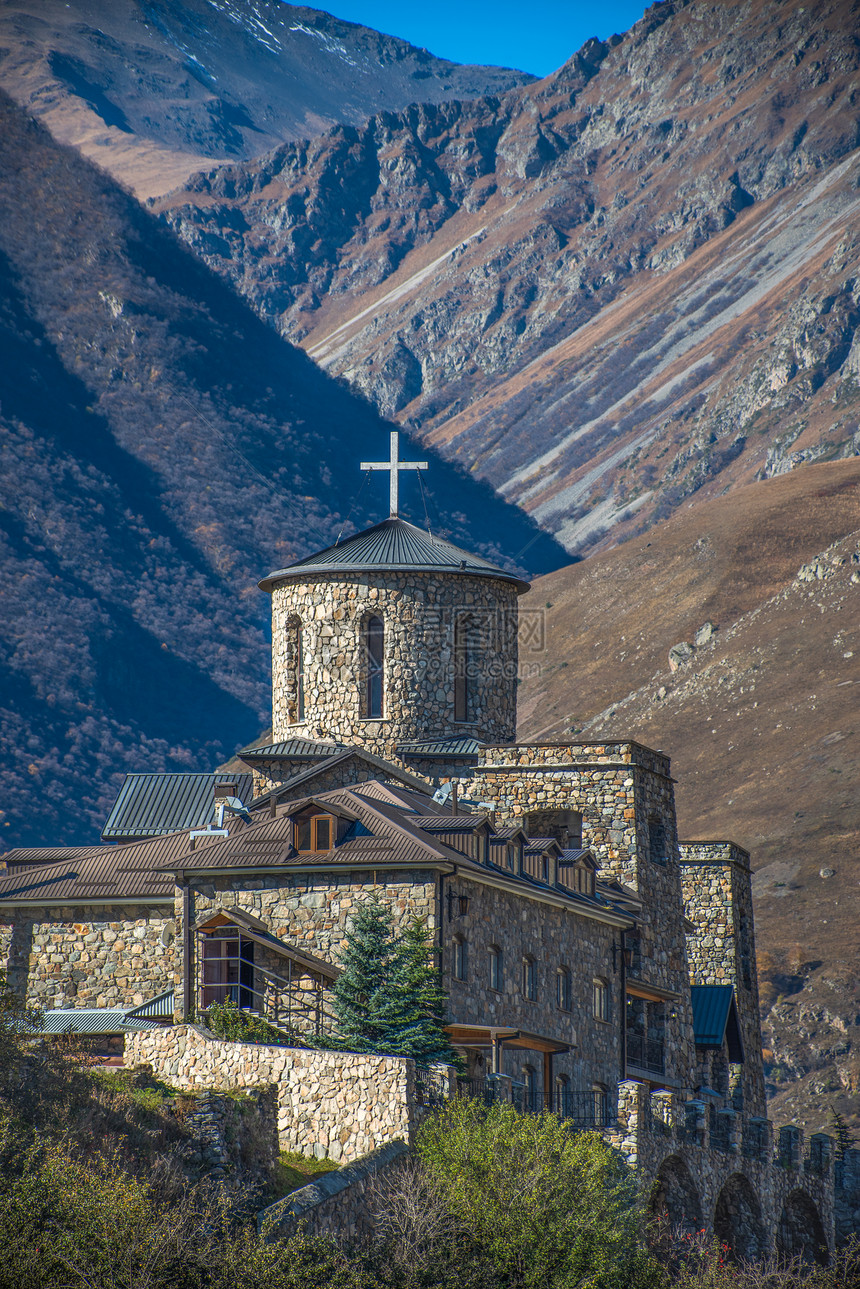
point(314, 833)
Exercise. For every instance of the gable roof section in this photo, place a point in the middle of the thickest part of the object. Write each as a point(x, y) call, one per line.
point(148, 805)
point(103, 874)
point(305, 776)
point(715, 1018)
point(256, 931)
point(393, 546)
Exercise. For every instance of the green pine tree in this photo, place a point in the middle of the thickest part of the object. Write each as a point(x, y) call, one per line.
point(361, 1000)
point(388, 998)
point(420, 1003)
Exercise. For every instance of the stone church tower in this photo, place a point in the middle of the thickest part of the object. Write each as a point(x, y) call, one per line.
point(394, 639)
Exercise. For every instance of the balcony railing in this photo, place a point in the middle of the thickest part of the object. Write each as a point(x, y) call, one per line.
point(295, 1004)
point(646, 1053)
point(583, 1110)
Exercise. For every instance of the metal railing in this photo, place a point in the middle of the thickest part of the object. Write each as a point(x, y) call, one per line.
point(477, 1089)
point(646, 1053)
point(755, 1139)
point(296, 1004)
point(583, 1110)
point(431, 1088)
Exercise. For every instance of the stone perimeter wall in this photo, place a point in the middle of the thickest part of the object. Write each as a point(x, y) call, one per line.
point(419, 611)
point(654, 1128)
point(336, 1105)
point(109, 956)
point(338, 1204)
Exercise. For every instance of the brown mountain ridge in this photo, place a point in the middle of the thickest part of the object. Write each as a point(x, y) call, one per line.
point(761, 719)
point(629, 285)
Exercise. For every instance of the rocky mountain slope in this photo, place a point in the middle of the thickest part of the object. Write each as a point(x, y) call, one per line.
point(160, 450)
point(628, 285)
point(730, 637)
point(153, 89)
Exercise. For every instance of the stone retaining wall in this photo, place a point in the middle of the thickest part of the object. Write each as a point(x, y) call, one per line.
point(339, 1105)
point(337, 1204)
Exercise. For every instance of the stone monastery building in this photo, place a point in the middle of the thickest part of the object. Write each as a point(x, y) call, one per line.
point(595, 965)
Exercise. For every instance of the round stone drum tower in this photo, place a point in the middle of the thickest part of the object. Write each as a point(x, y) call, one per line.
point(393, 637)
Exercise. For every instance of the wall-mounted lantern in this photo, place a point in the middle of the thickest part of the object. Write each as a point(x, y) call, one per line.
point(626, 951)
point(460, 903)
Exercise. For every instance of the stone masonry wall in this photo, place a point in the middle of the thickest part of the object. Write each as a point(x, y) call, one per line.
point(554, 937)
point(718, 900)
point(619, 788)
point(109, 956)
point(419, 611)
point(339, 1105)
point(658, 1132)
point(339, 1204)
point(310, 911)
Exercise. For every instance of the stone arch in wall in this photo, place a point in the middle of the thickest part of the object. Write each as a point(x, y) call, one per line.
point(800, 1232)
point(738, 1221)
point(675, 1198)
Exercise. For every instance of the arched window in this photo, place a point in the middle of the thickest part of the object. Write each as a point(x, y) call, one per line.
point(497, 971)
point(601, 999)
point(530, 978)
point(563, 990)
point(461, 669)
point(295, 671)
point(374, 667)
point(461, 958)
point(600, 1105)
point(563, 1098)
point(533, 1090)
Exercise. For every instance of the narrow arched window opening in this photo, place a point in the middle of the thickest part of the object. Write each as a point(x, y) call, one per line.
point(374, 652)
point(461, 669)
point(300, 675)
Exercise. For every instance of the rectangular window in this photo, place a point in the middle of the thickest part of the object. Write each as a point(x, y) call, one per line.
point(461, 959)
point(656, 840)
point(563, 989)
point(314, 833)
point(496, 971)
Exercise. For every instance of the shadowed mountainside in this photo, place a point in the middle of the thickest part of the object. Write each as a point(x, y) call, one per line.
point(760, 719)
point(628, 285)
point(161, 449)
point(153, 89)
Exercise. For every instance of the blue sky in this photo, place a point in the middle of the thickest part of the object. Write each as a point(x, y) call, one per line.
point(534, 37)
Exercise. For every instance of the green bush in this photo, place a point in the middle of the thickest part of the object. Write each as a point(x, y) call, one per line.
point(226, 1020)
point(552, 1208)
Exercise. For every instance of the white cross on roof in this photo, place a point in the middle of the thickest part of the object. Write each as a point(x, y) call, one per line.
point(395, 465)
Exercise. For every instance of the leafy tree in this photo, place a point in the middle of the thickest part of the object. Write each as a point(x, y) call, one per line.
point(552, 1208)
point(388, 998)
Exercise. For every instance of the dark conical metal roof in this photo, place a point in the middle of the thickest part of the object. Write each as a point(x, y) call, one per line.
point(394, 546)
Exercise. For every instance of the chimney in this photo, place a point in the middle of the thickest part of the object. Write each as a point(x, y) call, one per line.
point(453, 798)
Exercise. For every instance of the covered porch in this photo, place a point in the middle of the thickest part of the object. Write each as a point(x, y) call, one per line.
point(236, 959)
point(585, 1107)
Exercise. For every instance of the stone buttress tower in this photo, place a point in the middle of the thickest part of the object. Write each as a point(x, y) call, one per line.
point(717, 885)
